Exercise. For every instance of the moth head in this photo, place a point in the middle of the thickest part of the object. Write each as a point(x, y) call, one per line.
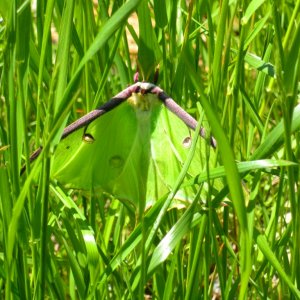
point(143, 100)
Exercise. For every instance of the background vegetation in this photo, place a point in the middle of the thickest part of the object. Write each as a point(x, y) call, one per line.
point(240, 61)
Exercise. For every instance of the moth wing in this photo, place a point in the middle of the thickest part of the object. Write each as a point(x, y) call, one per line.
point(171, 140)
point(93, 157)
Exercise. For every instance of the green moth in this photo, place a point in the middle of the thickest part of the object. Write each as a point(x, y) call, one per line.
point(132, 147)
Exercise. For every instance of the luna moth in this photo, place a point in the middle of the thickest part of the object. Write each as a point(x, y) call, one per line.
point(132, 147)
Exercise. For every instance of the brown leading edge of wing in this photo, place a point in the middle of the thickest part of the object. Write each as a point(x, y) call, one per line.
point(106, 107)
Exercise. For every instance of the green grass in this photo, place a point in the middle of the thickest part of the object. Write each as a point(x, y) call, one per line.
point(241, 62)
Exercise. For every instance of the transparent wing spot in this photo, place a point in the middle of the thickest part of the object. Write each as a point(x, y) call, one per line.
point(88, 138)
point(187, 142)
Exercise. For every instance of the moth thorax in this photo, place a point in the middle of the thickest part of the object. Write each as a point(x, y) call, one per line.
point(143, 102)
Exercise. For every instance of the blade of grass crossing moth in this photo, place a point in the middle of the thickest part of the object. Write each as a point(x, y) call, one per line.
point(233, 180)
point(167, 202)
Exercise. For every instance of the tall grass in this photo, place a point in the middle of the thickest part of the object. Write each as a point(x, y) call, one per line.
point(240, 61)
